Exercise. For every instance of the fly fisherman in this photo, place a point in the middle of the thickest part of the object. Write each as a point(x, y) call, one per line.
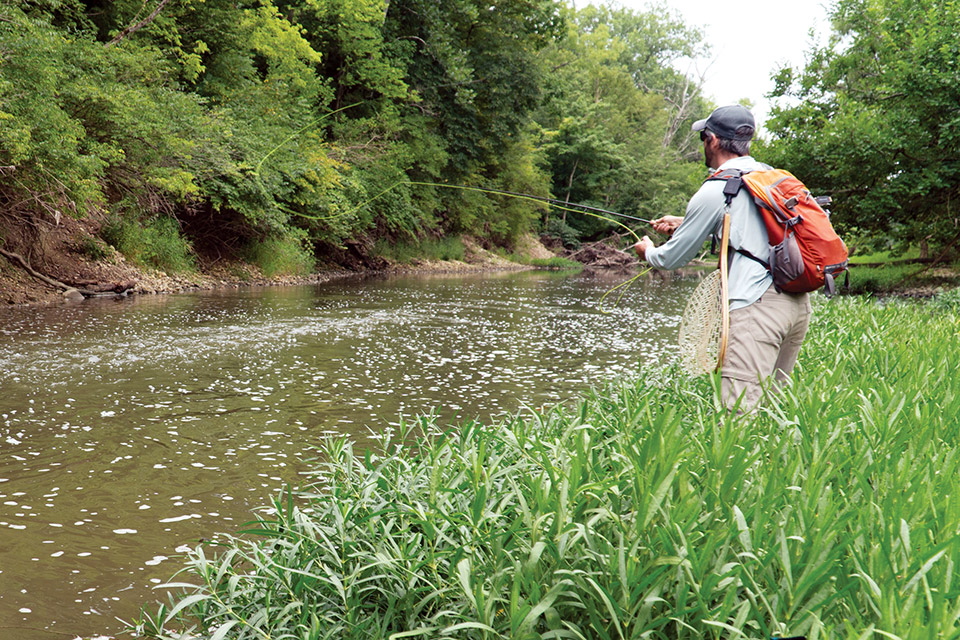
point(766, 327)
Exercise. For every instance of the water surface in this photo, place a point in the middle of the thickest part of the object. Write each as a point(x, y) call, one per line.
point(130, 428)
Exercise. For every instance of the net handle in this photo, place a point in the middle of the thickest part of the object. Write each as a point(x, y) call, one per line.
point(724, 300)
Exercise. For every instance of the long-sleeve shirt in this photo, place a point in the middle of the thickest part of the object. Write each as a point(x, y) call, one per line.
point(748, 280)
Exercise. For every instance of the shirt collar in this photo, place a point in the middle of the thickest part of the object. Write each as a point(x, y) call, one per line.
point(741, 162)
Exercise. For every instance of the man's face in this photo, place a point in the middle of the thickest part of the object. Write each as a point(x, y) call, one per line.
point(709, 149)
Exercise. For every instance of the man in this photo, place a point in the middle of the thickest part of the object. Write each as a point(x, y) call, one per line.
point(766, 327)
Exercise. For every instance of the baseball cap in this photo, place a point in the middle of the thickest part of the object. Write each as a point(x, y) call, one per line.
point(724, 122)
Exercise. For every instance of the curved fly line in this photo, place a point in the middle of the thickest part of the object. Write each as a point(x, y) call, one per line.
point(594, 212)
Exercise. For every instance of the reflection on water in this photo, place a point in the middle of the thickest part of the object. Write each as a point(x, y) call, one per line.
point(130, 428)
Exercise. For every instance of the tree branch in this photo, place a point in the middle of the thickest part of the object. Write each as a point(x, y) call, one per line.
point(136, 27)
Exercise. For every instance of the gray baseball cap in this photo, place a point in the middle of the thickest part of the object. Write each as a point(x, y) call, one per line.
point(724, 122)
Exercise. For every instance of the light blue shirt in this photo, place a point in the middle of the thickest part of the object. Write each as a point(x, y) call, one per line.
point(748, 279)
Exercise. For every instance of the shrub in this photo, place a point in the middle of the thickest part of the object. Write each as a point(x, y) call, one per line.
point(567, 235)
point(156, 243)
point(94, 248)
point(287, 254)
point(446, 248)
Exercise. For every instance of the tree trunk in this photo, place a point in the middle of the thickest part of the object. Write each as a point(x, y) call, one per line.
point(569, 187)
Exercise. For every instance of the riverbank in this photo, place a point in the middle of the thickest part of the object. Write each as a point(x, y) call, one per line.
point(70, 253)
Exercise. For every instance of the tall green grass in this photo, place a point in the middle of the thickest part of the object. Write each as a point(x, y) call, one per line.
point(641, 511)
point(446, 248)
point(155, 242)
point(279, 255)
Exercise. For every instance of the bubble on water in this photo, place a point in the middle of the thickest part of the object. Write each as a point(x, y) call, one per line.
point(122, 532)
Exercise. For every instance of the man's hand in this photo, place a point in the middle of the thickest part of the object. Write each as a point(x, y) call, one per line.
point(667, 224)
point(642, 246)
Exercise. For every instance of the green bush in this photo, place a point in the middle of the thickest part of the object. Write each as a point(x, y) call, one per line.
point(447, 248)
point(557, 228)
point(94, 248)
point(283, 255)
point(156, 243)
point(895, 278)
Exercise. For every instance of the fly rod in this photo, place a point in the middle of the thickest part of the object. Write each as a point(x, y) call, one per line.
point(560, 202)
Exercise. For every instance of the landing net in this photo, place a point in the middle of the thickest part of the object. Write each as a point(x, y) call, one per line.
point(701, 327)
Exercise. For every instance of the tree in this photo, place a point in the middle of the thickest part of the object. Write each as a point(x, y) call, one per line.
point(609, 120)
point(874, 120)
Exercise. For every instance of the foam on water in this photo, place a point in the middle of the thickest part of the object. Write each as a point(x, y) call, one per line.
point(130, 431)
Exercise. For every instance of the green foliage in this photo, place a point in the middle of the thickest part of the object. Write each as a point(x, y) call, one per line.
point(639, 512)
point(612, 134)
point(337, 118)
point(557, 262)
point(156, 242)
point(872, 119)
point(286, 255)
point(55, 163)
point(563, 232)
point(947, 301)
point(895, 278)
point(94, 248)
point(446, 248)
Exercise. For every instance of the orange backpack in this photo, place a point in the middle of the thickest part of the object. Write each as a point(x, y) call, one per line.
point(805, 252)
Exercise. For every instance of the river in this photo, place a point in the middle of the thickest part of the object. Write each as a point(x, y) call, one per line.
point(130, 428)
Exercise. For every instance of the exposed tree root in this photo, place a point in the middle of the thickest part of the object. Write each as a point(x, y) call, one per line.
point(86, 293)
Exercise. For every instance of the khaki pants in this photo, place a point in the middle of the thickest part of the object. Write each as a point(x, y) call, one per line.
point(764, 341)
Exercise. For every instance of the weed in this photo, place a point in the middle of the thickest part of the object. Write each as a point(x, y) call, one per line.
point(156, 242)
point(559, 229)
point(94, 248)
point(641, 511)
point(447, 248)
point(287, 254)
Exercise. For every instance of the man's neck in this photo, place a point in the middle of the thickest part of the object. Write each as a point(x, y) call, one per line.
point(725, 156)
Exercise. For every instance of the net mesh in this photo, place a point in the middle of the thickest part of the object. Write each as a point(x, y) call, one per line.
point(700, 327)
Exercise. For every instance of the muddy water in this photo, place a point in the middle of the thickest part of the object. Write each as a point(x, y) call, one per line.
point(130, 428)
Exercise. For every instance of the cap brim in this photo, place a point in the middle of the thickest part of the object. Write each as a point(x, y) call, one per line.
point(699, 125)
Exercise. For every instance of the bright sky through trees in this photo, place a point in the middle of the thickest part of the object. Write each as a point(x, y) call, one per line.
point(749, 41)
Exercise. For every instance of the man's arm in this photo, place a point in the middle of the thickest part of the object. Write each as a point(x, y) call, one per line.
point(665, 225)
point(704, 212)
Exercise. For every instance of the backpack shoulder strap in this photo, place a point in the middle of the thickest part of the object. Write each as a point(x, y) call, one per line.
point(734, 181)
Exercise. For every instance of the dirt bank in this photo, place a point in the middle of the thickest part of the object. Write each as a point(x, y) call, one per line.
point(53, 264)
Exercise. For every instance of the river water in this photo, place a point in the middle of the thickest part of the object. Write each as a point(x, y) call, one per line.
point(130, 428)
